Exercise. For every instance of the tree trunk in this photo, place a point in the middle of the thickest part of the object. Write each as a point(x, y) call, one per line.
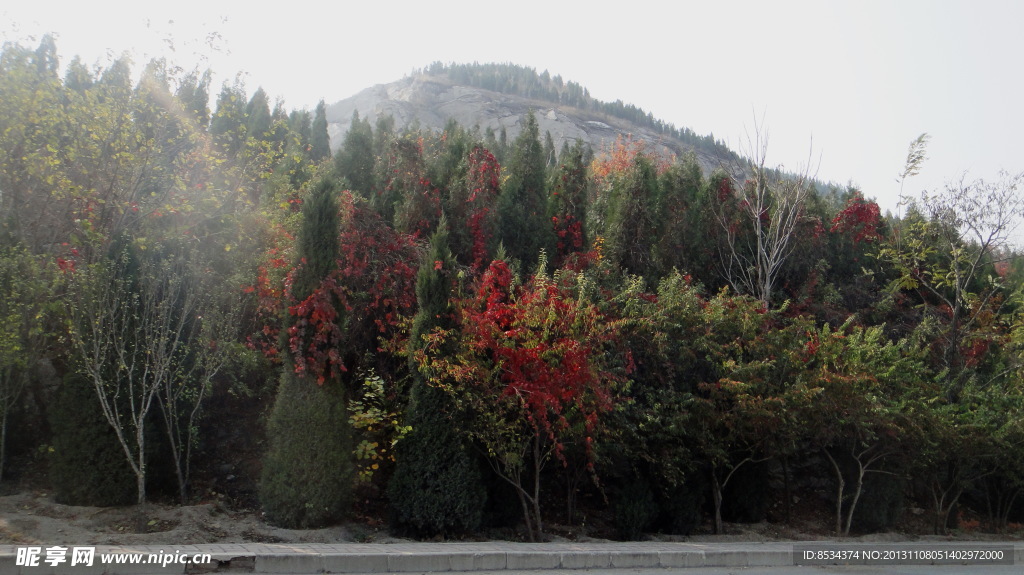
point(572, 479)
point(716, 495)
point(140, 484)
point(526, 514)
point(3, 443)
point(172, 439)
point(788, 489)
point(840, 487)
point(140, 471)
point(537, 464)
point(858, 488)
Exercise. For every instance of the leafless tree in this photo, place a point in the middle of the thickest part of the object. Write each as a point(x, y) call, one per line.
point(769, 205)
point(138, 327)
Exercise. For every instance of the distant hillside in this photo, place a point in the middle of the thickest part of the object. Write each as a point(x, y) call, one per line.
point(498, 96)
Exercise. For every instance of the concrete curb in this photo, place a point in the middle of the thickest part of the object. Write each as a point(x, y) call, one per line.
point(436, 557)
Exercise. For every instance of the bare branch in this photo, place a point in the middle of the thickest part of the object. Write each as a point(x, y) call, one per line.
point(770, 207)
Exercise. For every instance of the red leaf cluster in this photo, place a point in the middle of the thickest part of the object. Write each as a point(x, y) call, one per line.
point(860, 217)
point(547, 347)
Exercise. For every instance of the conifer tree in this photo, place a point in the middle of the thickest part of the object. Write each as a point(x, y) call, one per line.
point(355, 159)
point(257, 114)
point(522, 210)
point(307, 471)
point(320, 140)
point(684, 216)
point(87, 464)
point(194, 94)
point(436, 488)
point(570, 186)
point(228, 124)
point(301, 123)
point(630, 222)
point(79, 78)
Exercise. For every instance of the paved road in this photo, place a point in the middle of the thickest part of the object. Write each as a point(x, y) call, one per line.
point(828, 570)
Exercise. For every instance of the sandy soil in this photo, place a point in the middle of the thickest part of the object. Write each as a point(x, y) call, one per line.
point(34, 518)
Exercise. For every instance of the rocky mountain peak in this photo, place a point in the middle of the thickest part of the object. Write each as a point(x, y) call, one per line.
point(432, 100)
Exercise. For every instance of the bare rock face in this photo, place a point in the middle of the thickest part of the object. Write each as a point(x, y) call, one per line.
point(431, 101)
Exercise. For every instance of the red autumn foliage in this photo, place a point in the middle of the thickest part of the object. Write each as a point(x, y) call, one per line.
point(569, 232)
point(484, 178)
point(725, 190)
point(860, 218)
point(364, 297)
point(548, 347)
point(974, 352)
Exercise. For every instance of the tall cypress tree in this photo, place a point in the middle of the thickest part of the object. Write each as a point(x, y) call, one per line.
point(257, 115)
point(301, 124)
point(631, 221)
point(355, 158)
point(436, 488)
point(307, 472)
point(194, 94)
point(228, 124)
point(320, 140)
point(524, 225)
point(567, 206)
point(685, 242)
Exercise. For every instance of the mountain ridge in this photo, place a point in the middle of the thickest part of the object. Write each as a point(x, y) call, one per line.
point(431, 99)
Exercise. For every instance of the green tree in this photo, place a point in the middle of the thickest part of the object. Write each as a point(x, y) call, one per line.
point(567, 206)
point(685, 242)
point(744, 406)
point(301, 124)
point(354, 160)
point(132, 325)
point(946, 258)
point(631, 222)
point(306, 480)
point(87, 464)
point(32, 172)
point(524, 227)
point(228, 126)
point(550, 155)
point(194, 94)
point(417, 202)
point(257, 115)
point(652, 432)
point(436, 488)
point(27, 289)
point(869, 398)
point(320, 140)
point(307, 471)
point(446, 164)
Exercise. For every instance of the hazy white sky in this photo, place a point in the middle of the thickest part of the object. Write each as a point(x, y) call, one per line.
point(856, 80)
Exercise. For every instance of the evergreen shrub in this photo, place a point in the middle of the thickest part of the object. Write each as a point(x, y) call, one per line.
point(88, 465)
point(307, 472)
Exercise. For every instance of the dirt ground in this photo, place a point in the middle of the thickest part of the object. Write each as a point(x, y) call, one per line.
point(32, 517)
